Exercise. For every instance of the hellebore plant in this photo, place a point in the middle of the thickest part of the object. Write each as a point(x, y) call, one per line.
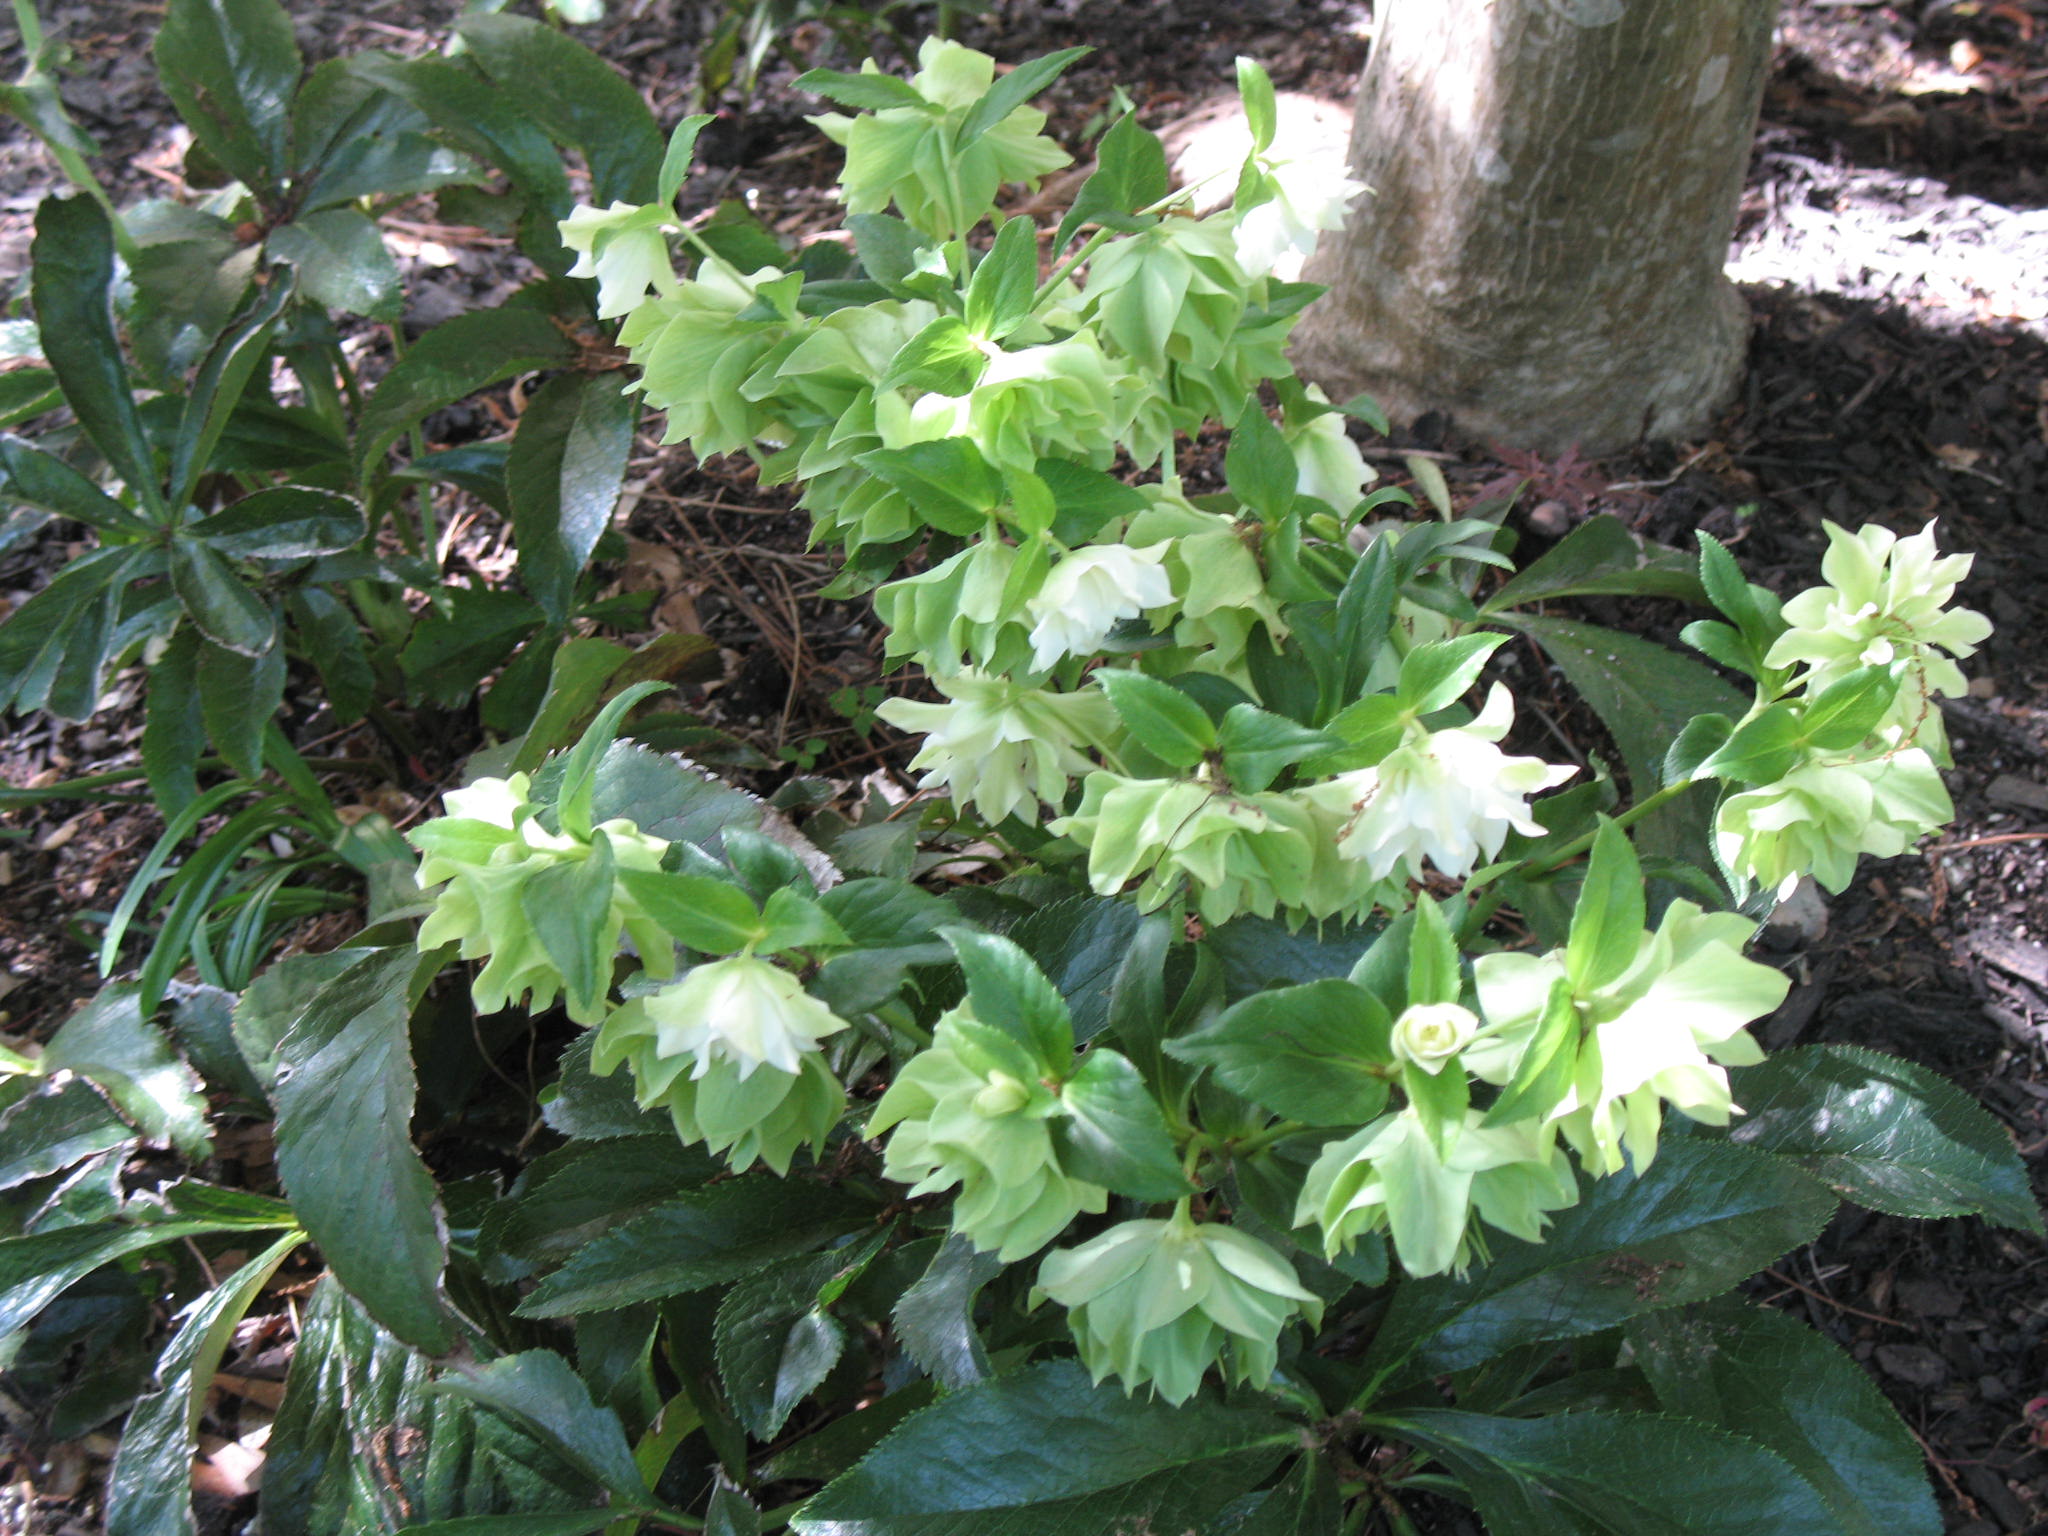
point(1243, 1022)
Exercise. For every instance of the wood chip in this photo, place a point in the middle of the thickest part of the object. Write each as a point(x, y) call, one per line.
point(2011, 789)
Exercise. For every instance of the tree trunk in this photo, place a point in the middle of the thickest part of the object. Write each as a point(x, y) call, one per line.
point(1555, 183)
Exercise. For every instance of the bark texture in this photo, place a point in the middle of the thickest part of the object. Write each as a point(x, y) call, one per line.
point(1555, 183)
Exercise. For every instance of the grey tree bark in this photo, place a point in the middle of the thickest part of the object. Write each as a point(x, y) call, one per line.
point(1554, 185)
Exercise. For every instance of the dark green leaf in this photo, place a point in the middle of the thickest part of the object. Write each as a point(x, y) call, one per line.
point(220, 385)
point(1602, 555)
point(1073, 1460)
point(344, 1098)
point(1638, 1473)
point(1701, 1219)
point(238, 697)
point(776, 1342)
point(668, 799)
point(1087, 499)
point(539, 1392)
point(1642, 692)
point(55, 1125)
point(149, 1491)
point(452, 360)
point(231, 67)
point(568, 462)
point(36, 1269)
point(1080, 944)
point(1319, 1053)
point(113, 1044)
point(703, 1238)
point(591, 1108)
point(1008, 992)
point(577, 1193)
point(221, 604)
point(581, 100)
point(1761, 1374)
point(285, 522)
point(1114, 1134)
point(1258, 747)
point(1167, 722)
point(1884, 1133)
point(47, 481)
point(449, 653)
point(1011, 91)
point(1259, 466)
point(572, 1522)
point(342, 263)
point(935, 1317)
point(71, 264)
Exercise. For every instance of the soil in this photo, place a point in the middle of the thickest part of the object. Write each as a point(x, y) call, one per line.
point(1893, 247)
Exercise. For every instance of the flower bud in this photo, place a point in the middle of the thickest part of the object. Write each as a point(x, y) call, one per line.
point(1430, 1034)
point(1156, 1303)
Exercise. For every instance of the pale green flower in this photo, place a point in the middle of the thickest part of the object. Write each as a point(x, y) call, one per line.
point(1449, 796)
point(1662, 1032)
point(911, 157)
point(1215, 574)
point(1822, 816)
point(693, 354)
point(1886, 601)
point(1394, 1175)
point(1065, 397)
point(1002, 746)
point(1268, 853)
point(1156, 1303)
point(1089, 593)
point(962, 1116)
point(625, 248)
point(482, 855)
point(961, 614)
point(732, 1054)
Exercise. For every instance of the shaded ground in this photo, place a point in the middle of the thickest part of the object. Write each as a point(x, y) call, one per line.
point(1895, 239)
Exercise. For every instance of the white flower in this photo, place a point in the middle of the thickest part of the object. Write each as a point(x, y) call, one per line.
point(1278, 234)
point(623, 247)
point(1327, 464)
point(1430, 1034)
point(1002, 746)
point(1089, 593)
point(744, 1011)
point(1449, 796)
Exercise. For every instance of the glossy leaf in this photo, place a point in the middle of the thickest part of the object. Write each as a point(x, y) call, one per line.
point(71, 265)
point(1113, 1132)
point(344, 1098)
point(935, 1317)
point(455, 359)
point(1601, 555)
point(775, 1340)
point(342, 262)
point(220, 383)
point(579, 98)
point(238, 696)
point(701, 912)
point(285, 522)
point(112, 1043)
point(1075, 1460)
point(568, 462)
point(149, 1491)
point(1702, 1218)
point(1762, 1374)
point(1883, 1132)
point(223, 607)
point(1319, 1053)
point(1008, 992)
point(1615, 1472)
point(231, 67)
point(55, 1125)
point(1166, 722)
point(703, 1238)
point(538, 1391)
point(1080, 944)
point(46, 481)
